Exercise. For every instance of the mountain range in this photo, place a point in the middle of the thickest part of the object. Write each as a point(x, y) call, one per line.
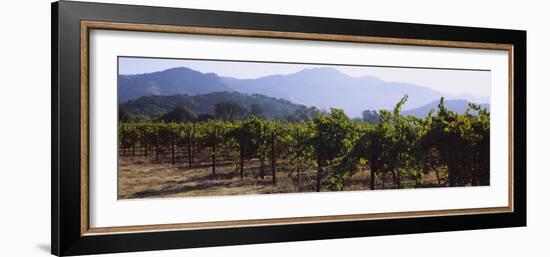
point(169, 82)
point(320, 87)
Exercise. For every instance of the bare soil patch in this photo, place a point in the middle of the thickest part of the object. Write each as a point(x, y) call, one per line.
point(141, 177)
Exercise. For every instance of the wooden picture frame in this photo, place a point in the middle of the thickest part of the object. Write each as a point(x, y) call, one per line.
point(71, 26)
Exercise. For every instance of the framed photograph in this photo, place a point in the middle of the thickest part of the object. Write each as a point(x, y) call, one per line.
point(178, 128)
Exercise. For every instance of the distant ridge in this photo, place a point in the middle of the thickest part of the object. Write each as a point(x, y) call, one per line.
point(457, 106)
point(328, 87)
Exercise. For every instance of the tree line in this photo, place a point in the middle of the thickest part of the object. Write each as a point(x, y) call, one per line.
point(455, 146)
point(228, 110)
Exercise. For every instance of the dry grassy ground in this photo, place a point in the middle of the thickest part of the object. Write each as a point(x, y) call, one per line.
point(143, 178)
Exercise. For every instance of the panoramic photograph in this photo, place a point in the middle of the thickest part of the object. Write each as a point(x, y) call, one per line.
point(193, 127)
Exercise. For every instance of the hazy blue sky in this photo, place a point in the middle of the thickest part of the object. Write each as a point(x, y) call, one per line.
point(475, 83)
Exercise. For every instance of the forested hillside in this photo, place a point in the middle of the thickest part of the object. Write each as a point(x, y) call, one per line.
point(152, 107)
